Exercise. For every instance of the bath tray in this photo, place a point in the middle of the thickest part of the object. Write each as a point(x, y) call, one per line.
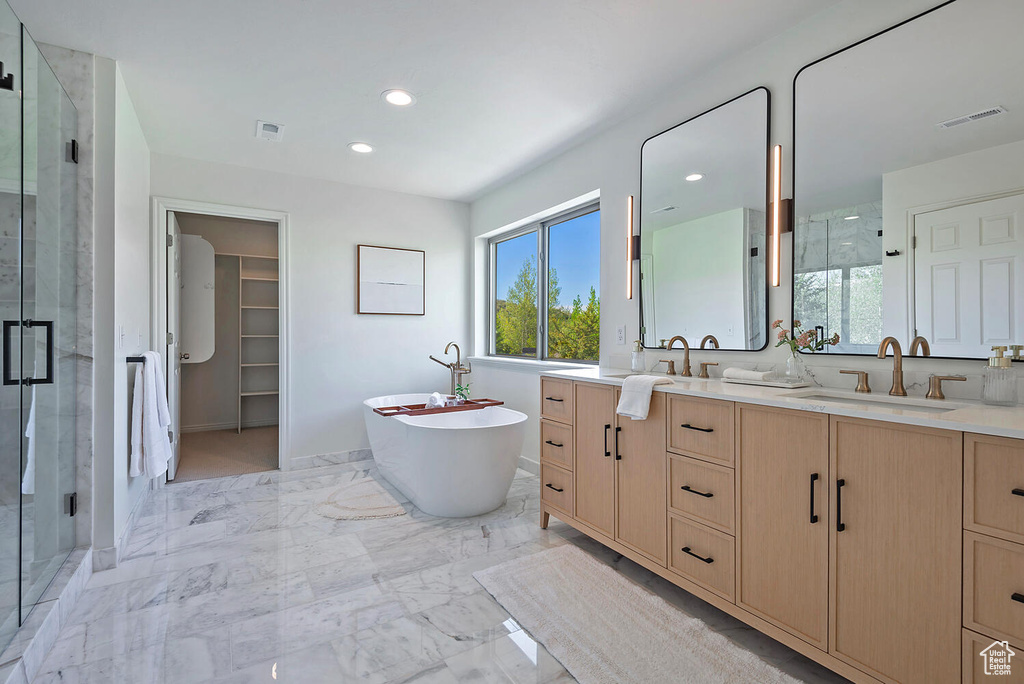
point(422, 410)
point(768, 383)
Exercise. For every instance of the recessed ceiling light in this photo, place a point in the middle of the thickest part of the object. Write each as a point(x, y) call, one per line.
point(694, 177)
point(850, 218)
point(399, 98)
point(360, 147)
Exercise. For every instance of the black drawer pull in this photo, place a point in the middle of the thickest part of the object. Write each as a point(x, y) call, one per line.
point(686, 550)
point(607, 452)
point(618, 456)
point(690, 427)
point(553, 399)
point(548, 441)
point(1019, 598)
point(814, 516)
point(551, 486)
point(687, 488)
point(1018, 492)
point(840, 525)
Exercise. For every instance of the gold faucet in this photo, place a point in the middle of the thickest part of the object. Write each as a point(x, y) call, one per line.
point(898, 390)
point(935, 385)
point(457, 369)
point(704, 368)
point(709, 338)
point(686, 356)
point(920, 343)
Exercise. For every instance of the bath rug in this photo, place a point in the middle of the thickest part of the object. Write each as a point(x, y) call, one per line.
point(604, 628)
point(360, 499)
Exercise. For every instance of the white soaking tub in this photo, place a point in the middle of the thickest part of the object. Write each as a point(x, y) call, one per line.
point(452, 465)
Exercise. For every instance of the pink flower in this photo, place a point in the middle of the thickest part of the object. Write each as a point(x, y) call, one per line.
point(777, 323)
point(803, 340)
point(782, 334)
point(796, 324)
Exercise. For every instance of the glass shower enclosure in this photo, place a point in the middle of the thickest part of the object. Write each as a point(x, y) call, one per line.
point(38, 284)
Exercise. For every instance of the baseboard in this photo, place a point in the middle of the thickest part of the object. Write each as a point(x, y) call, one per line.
point(25, 655)
point(337, 458)
point(109, 558)
point(210, 427)
point(529, 465)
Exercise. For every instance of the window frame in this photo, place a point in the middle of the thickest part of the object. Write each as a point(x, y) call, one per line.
point(542, 228)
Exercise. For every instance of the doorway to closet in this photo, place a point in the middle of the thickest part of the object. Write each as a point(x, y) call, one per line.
point(223, 354)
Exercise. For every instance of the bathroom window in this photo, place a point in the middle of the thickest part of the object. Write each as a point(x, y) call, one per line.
point(545, 285)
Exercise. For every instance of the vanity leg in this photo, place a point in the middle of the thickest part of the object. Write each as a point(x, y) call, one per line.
point(544, 517)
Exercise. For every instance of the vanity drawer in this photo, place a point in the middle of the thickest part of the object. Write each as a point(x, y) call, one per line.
point(556, 399)
point(556, 487)
point(703, 491)
point(556, 443)
point(994, 586)
point(716, 572)
point(993, 471)
point(702, 428)
point(974, 662)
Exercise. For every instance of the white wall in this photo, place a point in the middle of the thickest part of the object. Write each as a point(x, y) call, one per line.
point(131, 285)
point(609, 162)
point(336, 357)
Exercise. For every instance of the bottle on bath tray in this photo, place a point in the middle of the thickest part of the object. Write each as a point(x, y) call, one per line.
point(1000, 380)
point(638, 362)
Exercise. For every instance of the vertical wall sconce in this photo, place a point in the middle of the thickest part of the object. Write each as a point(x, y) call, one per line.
point(776, 215)
point(629, 247)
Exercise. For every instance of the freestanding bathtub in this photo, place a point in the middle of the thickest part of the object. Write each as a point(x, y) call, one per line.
point(452, 465)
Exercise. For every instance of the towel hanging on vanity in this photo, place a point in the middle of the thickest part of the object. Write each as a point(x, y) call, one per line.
point(151, 446)
point(635, 400)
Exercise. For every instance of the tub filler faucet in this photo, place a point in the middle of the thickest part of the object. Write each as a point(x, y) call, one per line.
point(456, 369)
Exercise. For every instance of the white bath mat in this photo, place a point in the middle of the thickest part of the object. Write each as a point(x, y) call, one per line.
point(360, 499)
point(604, 628)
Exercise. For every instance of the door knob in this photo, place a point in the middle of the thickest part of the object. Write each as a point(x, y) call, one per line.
point(185, 356)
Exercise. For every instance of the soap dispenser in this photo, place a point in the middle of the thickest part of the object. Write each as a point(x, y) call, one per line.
point(1000, 382)
point(638, 363)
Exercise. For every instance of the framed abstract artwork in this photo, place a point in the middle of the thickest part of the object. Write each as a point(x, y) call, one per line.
point(390, 280)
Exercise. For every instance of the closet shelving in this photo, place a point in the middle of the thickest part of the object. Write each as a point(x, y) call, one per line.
point(258, 323)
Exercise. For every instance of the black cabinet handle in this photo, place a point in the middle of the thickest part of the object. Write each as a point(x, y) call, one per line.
point(618, 456)
point(548, 441)
point(8, 377)
point(551, 486)
point(686, 550)
point(814, 517)
point(1017, 492)
point(1019, 598)
point(690, 427)
point(607, 452)
point(48, 325)
point(840, 525)
point(687, 488)
point(553, 399)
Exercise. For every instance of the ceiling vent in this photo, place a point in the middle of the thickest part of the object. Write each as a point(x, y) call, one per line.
point(970, 118)
point(269, 131)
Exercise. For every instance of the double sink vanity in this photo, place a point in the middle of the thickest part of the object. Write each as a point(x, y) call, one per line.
point(882, 537)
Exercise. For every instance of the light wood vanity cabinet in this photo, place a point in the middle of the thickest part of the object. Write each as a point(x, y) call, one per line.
point(884, 551)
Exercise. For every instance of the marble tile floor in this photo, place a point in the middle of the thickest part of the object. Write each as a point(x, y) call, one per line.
point(237, 580)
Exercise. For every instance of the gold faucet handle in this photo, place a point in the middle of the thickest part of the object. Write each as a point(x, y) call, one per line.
point(935, 385)
point(1016, 349)
point(704, 368)
point(671, 366)
point(862, 380)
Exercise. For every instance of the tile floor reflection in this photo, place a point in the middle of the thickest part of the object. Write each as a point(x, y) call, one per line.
point(237, 580)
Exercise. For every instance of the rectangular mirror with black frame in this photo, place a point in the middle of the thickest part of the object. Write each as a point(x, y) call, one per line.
point(703, 239)
point(909, 184)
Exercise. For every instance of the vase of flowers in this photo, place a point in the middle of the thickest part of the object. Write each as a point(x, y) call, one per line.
point(798, 339)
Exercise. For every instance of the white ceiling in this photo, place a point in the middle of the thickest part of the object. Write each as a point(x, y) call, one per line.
point(501, 86)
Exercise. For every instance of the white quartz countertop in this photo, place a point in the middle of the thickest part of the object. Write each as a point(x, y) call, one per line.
point(963, 415)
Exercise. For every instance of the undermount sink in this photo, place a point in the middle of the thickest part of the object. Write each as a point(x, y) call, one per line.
point(674, 378)
point(879, 401)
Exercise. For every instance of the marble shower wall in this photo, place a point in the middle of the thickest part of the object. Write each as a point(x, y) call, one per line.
point(76, 72)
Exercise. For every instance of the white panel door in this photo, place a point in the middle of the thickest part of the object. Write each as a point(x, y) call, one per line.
point(173, 343)
point(969, 275)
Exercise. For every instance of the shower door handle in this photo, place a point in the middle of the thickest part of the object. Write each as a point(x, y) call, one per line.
point(48, 380)
point(8, 379)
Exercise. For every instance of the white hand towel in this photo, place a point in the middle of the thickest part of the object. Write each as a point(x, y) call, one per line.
point(151, 446)
point(635, 400)
point(435, 400)
point(744, 374)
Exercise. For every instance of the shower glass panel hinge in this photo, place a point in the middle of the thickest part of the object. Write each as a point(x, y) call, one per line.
point(71, 504)
point(170, 240)
point(170, 338)
point(913, 242)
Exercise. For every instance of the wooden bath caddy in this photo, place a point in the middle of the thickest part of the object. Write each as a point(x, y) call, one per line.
point(422, 410)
